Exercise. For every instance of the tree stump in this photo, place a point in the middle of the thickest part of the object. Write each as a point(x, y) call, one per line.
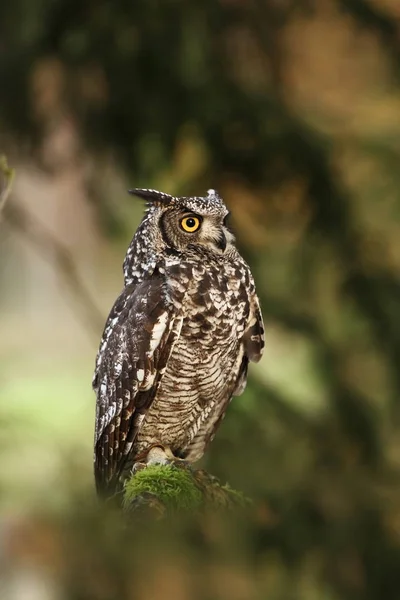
point(177, 488)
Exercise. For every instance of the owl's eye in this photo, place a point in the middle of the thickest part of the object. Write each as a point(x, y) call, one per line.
point(190, 224)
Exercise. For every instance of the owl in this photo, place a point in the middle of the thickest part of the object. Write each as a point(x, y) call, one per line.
point(178, 340)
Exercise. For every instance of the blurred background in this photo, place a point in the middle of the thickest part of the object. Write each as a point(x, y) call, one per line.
point(291, 110)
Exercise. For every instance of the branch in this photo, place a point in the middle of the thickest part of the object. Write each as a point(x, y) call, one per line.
point(49, 246)
point(6, 181)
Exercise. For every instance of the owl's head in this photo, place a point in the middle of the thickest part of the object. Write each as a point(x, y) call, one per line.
point(189, 221)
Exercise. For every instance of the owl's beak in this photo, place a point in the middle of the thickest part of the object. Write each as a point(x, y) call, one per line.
point(221, 244)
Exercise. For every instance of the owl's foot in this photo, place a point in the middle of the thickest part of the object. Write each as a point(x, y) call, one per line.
point(159, 455)
point(137, 466)
point(162, 455)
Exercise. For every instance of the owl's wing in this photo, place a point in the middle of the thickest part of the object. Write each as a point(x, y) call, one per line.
point(253, 338)
point(137, 342)
point(253, 341)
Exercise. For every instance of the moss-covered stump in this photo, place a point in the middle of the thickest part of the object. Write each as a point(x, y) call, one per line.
point(166, 489)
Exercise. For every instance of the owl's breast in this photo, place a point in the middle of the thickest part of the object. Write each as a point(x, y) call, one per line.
point(199, 379)
point(216, 305)
point(203, 367)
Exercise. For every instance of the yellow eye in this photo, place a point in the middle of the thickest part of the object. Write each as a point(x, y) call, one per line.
point(190, 224)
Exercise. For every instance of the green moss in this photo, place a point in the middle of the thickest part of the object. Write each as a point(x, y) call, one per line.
point(173, 486)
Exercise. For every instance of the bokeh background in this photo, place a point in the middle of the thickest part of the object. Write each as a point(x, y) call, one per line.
point(291, 110)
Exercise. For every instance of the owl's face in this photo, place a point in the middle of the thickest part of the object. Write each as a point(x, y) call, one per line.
point(192, 221)
point(187, 225)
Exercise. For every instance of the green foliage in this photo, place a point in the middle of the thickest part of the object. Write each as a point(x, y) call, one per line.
point(236, 496)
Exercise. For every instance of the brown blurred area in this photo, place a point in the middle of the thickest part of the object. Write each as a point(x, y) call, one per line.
point(291, 110)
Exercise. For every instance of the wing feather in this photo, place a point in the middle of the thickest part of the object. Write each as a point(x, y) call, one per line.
point(137, 342)
point(253, 338)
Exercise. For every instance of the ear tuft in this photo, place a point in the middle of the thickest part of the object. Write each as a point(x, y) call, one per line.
point(151, 196)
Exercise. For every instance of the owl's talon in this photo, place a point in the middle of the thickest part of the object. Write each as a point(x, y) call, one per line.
point(138, 466)
point(158, 455)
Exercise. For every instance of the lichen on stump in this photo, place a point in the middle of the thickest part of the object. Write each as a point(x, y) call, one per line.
point(168, 489)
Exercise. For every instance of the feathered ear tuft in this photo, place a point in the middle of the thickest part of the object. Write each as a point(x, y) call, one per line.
point(151, 196)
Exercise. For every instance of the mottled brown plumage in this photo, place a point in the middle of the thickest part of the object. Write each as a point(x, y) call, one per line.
point(177, 343)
